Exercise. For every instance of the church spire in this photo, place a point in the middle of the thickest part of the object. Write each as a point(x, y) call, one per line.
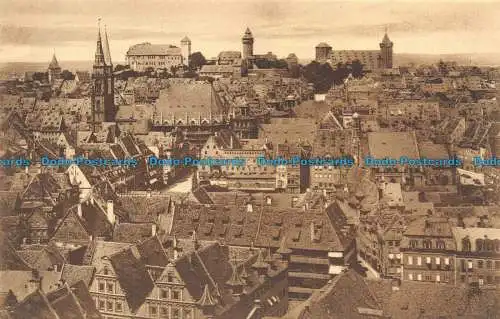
point(99, 53)
point(107, 52)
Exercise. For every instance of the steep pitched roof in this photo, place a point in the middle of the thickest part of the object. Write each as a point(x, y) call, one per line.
point(73, 274)
point(9, 258)
point(35, 306)
point(85, 300)
point(152, 252)
point(65, 303)
point(347, 296)
point(133, 277)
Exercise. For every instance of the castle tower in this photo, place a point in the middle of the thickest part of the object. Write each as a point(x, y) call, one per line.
point(247, 41)
point(323, 52)
point(185, 50)
point(386, 52)
point(103, 104)
point(54, 70)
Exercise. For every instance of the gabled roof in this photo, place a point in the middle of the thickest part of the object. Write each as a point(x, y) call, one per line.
point(133, 277)
point(35, 306)
point(132, 232)
point(42, 259)
point(85, 300)
point(65, 303)
point(347, 296)
point(9, 258)
point(152, 252)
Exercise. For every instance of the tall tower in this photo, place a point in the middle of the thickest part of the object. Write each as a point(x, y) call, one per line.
point(185, 50)
point(54, 70)
point(247, 41)
point(386, 52)
point(103, 104)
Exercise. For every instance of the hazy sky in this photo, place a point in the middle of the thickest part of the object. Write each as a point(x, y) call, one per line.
point(31, 29)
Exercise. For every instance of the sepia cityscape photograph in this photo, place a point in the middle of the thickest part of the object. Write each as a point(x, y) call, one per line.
point(249, 159)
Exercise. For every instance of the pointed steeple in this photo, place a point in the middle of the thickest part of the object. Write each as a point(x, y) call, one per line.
point(99, 52)
point(260, 265)
point(248, 34)
point(386, 39)
point(107, 52)
point(235, 281)
point(54, 64)
point(206, 300)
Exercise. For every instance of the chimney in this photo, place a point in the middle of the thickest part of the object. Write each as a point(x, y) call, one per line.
point(110, 212)
point(79, 210)
point(249, 208)
point(153, 229)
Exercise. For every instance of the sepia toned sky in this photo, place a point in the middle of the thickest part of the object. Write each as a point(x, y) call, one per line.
point(30, 30)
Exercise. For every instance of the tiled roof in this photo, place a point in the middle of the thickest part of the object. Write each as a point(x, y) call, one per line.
point(132, 232)
point(289, 129)
point(85, 300)
point(392, 144)
point(153, 49)
point(18, 281)
point(133, 277)
point(264, 226)
point(65, 303)
point(35, 306)
point(42, 259)
point(430, 301)
point(144, 209)
point(152, 252)
point(72, 274)
point(345, 297)
point(9, 258)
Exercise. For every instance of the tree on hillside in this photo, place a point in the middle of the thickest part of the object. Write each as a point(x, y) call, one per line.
point(196, 60)
point(121, 67)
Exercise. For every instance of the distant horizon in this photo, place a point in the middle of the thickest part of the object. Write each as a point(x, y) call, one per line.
point(32, 30)
point(473, 56)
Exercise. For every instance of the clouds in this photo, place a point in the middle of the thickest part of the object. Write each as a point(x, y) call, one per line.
point(279, 26)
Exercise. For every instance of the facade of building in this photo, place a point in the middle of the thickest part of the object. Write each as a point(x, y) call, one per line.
point(143, 56)
point(371, 59)
point(428, 251)
point(477, 256)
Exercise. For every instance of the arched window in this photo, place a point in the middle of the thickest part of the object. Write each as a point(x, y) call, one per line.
point(479, 245)
point(466, 246)
point(427, 244)
point(440, 244)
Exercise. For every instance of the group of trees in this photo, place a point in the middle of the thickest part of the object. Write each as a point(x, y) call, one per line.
point(323, 76)
point(271, 64)
point(44, 76)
